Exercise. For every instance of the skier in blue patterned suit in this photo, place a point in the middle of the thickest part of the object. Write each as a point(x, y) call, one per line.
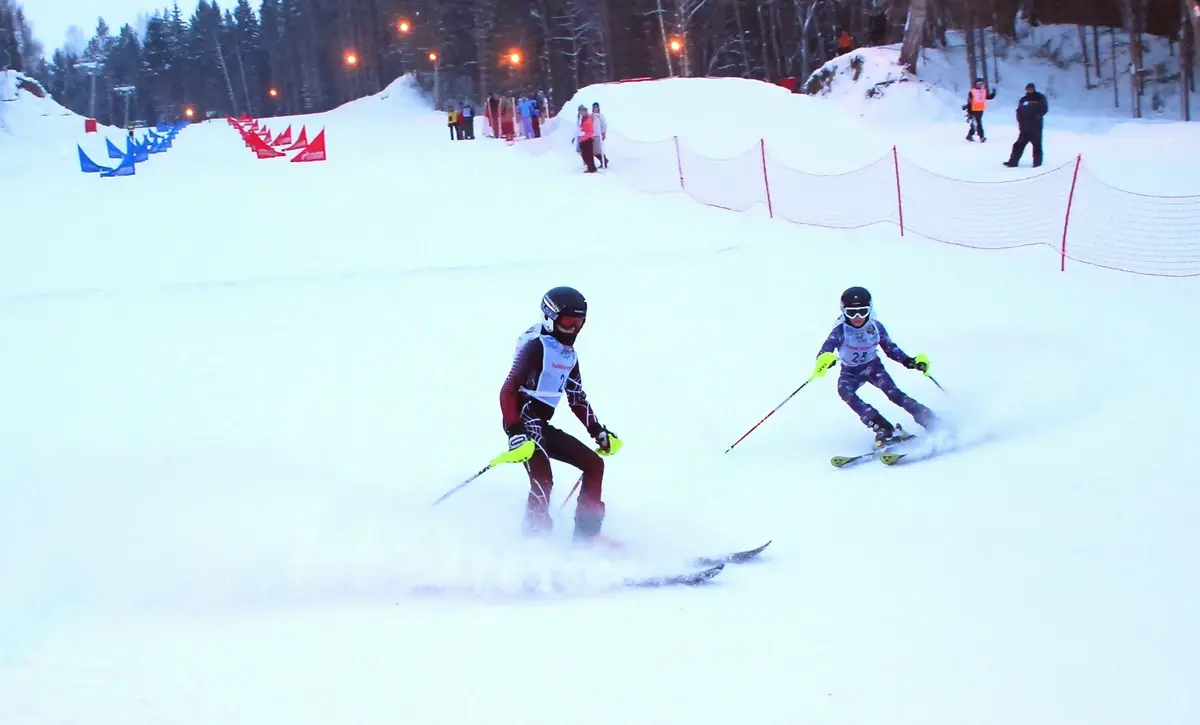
point(855, 340)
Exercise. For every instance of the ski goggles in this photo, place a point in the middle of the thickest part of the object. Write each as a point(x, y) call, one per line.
point(863, 312)
point(570, 323)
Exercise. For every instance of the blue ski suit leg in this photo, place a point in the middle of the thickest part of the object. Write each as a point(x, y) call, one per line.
point(852, 378)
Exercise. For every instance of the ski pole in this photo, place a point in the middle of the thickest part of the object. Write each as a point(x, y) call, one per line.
point(768, 415)
point(935, 382)
point(505, 457)
point(571, 493)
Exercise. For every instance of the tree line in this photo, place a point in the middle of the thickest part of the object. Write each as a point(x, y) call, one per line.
point(299, 56)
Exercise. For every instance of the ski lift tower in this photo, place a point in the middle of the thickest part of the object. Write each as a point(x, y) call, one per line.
point(128, 92)
point(93, 69)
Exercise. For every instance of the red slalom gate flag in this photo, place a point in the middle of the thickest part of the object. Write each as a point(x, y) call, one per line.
point(261, 149)
point(315, 150)
point(301, 140)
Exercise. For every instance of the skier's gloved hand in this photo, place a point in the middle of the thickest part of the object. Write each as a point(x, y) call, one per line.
point(518, 440)
point(920, 362)
point(520, 446)
point(608, 441)
point(825, 361)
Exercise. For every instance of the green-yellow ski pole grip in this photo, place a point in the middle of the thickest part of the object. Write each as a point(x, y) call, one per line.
point(614, 445)
point(920, 360)
point(825, 361)
point(520, 454)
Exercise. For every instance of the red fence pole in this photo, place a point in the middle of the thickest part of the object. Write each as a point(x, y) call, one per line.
point(679, 163)
point(1067, 222)
point(899, 196)
point(766, 181)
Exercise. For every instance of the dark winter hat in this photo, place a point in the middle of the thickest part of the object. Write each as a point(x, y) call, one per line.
point(1030, 87)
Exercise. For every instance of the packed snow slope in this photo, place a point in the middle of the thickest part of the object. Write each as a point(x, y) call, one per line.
point(225, 420)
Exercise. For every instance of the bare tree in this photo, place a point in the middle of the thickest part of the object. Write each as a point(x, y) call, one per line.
point(914, 34)
point(666, 43)
point(483, 30)
point(1087, 65)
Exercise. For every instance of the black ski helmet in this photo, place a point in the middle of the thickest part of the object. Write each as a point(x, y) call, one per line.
point(856, 298)
point(562, 302)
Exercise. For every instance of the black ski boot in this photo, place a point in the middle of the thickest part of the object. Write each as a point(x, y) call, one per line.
point(537, 519)
point(589, 517)
point(884, 431)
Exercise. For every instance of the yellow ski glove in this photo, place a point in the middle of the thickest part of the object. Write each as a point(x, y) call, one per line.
point(825, 361)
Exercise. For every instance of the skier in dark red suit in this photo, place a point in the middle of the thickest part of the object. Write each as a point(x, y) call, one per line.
point(545, 369)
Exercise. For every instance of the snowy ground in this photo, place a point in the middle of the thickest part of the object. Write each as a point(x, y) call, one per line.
point(226, 413)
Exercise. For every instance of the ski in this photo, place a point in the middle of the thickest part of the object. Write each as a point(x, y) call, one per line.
point(738, 557)
point(878, 453)
point(891, 459)
point(689, 579)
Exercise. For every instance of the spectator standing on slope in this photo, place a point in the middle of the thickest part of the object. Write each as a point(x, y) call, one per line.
point(977, 99)
point(507, 120)
point(1031, 109)
point(578, 122)
point(601, 134)
point(535, 115)
point(845, 42)
point(467, 120)
point(587, 138)
point(493, 114)
point(527, 116)
point(452, 122)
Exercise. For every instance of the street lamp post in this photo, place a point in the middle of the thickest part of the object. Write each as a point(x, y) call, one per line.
point(404, 28)
point(127, 92)
point(351, 59)
point(436, 60)
point(678, 48)
point(91, 67)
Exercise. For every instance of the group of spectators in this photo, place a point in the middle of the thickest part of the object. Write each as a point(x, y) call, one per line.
point(509, 116)
point(461, 122)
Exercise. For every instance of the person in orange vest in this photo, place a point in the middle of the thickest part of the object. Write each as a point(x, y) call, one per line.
point(977, 99)
point(845, 42)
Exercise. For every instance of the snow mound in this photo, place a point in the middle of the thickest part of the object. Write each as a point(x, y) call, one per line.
point(400, 99)
point(36, 130)
point(26, 110)
point(726, 117)
point(858, 78)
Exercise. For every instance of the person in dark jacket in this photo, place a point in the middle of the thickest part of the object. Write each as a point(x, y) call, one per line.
point(466, 119)
point(1031, 109)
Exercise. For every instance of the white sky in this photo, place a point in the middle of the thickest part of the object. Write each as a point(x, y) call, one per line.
point(51, 18)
